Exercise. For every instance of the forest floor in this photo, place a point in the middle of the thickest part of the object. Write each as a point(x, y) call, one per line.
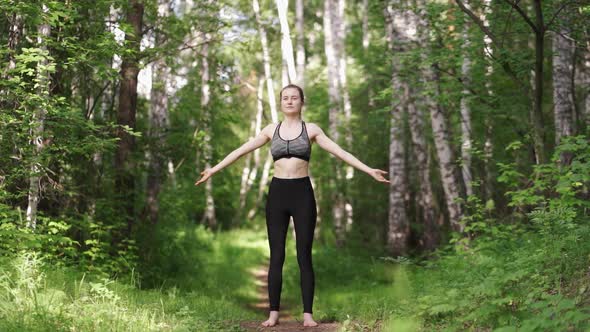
point(287, 322)
point(218, 282)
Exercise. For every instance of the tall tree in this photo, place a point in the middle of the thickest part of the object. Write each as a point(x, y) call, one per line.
point(488, 148)
point(209, 215)
point(299, 25)
point(440, 129)
point(286, 44)
point(271, 102)
point(466, 141)
point(331, 46)
point(158, 120)
point(425, 196)
point(398, 231)
point(539, 28)
point(563, 96)
point(39, 114)
point(126, 113)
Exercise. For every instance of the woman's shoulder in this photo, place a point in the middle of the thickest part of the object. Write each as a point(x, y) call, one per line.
point(312, 127)
point(270, 128)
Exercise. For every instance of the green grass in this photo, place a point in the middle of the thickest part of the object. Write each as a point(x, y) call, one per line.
point(209, 296)
point(521, 281)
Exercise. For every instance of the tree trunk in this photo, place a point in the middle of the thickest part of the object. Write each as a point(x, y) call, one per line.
point(563, 101)
point(272, 104)
point(488, 148)
point(38, 121)
point(209, 215)
point(250, 172)
point(365, 39)
point(430, 237)
point(14, 36)
point(398, 223)
point(299, 25)
point(331, 42)
point(444, 153)
point(266, 59)
point(286, 44)
point(466, 145)
point(124, 182)
point(442, 140)
point(158, 119)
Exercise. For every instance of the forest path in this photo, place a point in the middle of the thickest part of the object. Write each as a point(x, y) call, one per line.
point(287, 322)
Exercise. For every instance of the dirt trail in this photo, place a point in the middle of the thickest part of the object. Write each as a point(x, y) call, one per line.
point(286, 321)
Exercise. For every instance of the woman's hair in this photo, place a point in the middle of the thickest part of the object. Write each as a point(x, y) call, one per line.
point(294, 87)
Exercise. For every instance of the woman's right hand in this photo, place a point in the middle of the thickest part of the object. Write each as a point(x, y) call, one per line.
point(206, 174)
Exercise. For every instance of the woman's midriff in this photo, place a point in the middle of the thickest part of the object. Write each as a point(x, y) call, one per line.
point(290, 168)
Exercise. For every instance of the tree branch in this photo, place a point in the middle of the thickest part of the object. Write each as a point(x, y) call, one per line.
point(477, 21)
point(523, 14)
point(546, 27)
point(505, 65)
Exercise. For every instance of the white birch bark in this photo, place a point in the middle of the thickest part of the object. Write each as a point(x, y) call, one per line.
point(272, 105)
point(158, 121)
point(209, 215)
point(442, 141)
point(331, 46)
point(466, 144)
point(341, 53)
point(266, 59)
point(398, 222)
point(38, 122)
point(488, 147)
point(286, 44)
point(366, 41)
point(563, 100)
point(425, 197)
point(250, 172)
point(299, 25)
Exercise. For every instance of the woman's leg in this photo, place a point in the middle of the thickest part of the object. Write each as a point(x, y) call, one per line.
point(304, 219)
point(277, 223)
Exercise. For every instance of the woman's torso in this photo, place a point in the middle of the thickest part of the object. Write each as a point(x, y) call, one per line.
point(292, 146)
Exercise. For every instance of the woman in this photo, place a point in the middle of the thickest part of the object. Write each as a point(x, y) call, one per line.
point(291, 194)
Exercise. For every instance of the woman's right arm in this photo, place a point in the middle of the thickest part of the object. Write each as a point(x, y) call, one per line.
point(251, 145)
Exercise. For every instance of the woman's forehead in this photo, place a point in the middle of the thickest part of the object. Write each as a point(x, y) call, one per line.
point(290, 92)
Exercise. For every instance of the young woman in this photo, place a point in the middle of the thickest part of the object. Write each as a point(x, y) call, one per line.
point(291, 194)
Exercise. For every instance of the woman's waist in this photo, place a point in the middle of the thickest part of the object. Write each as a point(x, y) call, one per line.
point(291, 169)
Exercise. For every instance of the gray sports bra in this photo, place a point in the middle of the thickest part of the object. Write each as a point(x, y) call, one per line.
point(299, 147)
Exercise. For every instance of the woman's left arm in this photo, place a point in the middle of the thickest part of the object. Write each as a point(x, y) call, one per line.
point(327, 144)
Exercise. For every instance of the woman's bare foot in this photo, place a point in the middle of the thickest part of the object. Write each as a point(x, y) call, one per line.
point(273, 319)
point(308, 320)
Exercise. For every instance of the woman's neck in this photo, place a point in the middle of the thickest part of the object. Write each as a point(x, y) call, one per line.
point(292, 120)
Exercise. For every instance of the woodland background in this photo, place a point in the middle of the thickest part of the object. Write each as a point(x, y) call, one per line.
point(480, 110)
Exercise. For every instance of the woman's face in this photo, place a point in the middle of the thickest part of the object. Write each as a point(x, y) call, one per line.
point(291, 101)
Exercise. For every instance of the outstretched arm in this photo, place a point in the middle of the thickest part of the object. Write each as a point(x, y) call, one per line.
point(246, 148)
point(327, 144)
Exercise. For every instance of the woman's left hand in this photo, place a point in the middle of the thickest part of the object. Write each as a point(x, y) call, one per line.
point(377, 174)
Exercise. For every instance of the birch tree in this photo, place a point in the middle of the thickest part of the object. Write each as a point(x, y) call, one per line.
point(286, 44)
point(158, 120)
point(299, 24)
point(209, 215)
point(398, 223)
point(442, 140)
point(38, 118)
point(563, 100)
point(335, 100)
point(466, 142)
point(271, 102)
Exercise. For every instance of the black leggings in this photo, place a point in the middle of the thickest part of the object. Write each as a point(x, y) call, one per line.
point(290, 197)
